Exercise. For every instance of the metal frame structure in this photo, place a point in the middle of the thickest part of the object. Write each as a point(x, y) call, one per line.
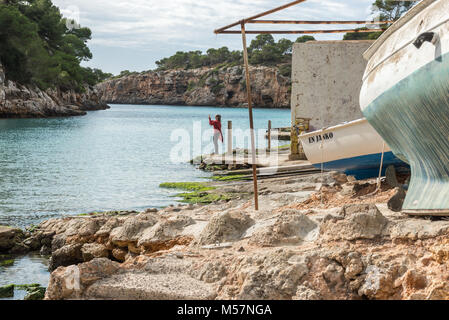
point(244, 32)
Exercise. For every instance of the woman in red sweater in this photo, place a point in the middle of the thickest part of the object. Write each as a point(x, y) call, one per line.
point(217, 131)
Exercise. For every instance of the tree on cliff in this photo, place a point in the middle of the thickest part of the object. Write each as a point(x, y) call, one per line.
point(305, 38)
point(196, 59)
point(262, 50)
point(385, 10)
point(37, 47)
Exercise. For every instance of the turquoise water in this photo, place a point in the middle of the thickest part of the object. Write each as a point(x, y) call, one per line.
point(27, 269)
point(107, 160)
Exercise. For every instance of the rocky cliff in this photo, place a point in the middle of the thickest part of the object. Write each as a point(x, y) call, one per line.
point(19, 101)
point(201, 87)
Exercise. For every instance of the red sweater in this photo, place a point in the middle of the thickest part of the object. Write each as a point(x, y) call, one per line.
point(217, 127)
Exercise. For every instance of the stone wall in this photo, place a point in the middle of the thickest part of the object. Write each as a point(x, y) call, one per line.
point(326, 81)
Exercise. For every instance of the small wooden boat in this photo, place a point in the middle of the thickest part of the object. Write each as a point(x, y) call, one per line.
point(354, 148)
point(405, 97)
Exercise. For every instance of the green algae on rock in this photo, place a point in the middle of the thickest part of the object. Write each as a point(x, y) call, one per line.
point(7, 291)
point(6, 263)
point(188, 186)
point(204, 197)
point(235, 177)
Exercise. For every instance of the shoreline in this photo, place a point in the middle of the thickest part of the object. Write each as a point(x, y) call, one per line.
point(312, 239)
point(197, 106)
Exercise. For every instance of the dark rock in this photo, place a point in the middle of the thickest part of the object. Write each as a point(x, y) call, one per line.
point(36, 293)
point(66, 256)
point(10, 238)
point(19, 248)
point(94, 250)
point(33, 243)
point(7, 291)
point(396, 202)
point(391, 179)
point(45, 250)
point(57, 242)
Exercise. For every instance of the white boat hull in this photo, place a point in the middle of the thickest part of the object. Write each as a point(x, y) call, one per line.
point(405, 97)
point(354, 148)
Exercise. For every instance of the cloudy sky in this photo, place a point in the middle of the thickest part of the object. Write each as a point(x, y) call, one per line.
point(133, 34)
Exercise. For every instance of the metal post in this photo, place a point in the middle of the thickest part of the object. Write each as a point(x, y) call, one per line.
point(250, 110)
point(269, 135)
point(230, 138)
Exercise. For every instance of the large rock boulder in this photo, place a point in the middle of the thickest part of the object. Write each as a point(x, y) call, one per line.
point(11, 239)
point(91, 251)
point(225, 226)
point(165, 234)
point(70, 282)
point(292, 227)
point(160, 279)
point(66, 256)
point(272, 275)
point(359, 221)
point(131, 230)
point(414, 229)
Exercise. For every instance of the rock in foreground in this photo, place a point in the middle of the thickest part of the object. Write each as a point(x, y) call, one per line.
point(294, 248)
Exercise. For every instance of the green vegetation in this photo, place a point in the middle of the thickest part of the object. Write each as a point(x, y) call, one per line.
point(6, 263)
point(6, 260)
point(34, 291)
point(124, 73)
point(204, 197)
point(362, 35)
point(196, 59)
point(386, 10)
point(262, 51)
point(105, 213)
point(390, 10)
point(7, 291)
point(286, 70)
point(38, 46)
point(188, 186)
point(234, 177)
point(199, 194)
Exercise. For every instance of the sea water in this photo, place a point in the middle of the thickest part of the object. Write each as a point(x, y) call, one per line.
point(109, 160)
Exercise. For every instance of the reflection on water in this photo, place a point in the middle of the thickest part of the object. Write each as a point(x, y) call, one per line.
point(107, 160)
point(28, 269)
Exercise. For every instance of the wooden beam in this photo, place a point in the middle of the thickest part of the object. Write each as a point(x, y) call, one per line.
point(285, 6)
point(250, 110)
point(299, 32)
point(317, 22)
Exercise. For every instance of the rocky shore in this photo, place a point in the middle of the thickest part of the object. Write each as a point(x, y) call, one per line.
point(315, 237)
point(19, 101)
point(220, 86)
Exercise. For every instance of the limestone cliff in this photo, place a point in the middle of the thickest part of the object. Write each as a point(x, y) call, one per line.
point(201, 87)
point(20, 101)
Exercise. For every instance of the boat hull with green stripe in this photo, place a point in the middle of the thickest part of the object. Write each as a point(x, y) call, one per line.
point(405, 97)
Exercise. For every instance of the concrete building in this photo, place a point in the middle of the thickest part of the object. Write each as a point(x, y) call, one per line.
point(326, 83)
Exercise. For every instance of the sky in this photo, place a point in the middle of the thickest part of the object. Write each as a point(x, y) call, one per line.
point(134, 34)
